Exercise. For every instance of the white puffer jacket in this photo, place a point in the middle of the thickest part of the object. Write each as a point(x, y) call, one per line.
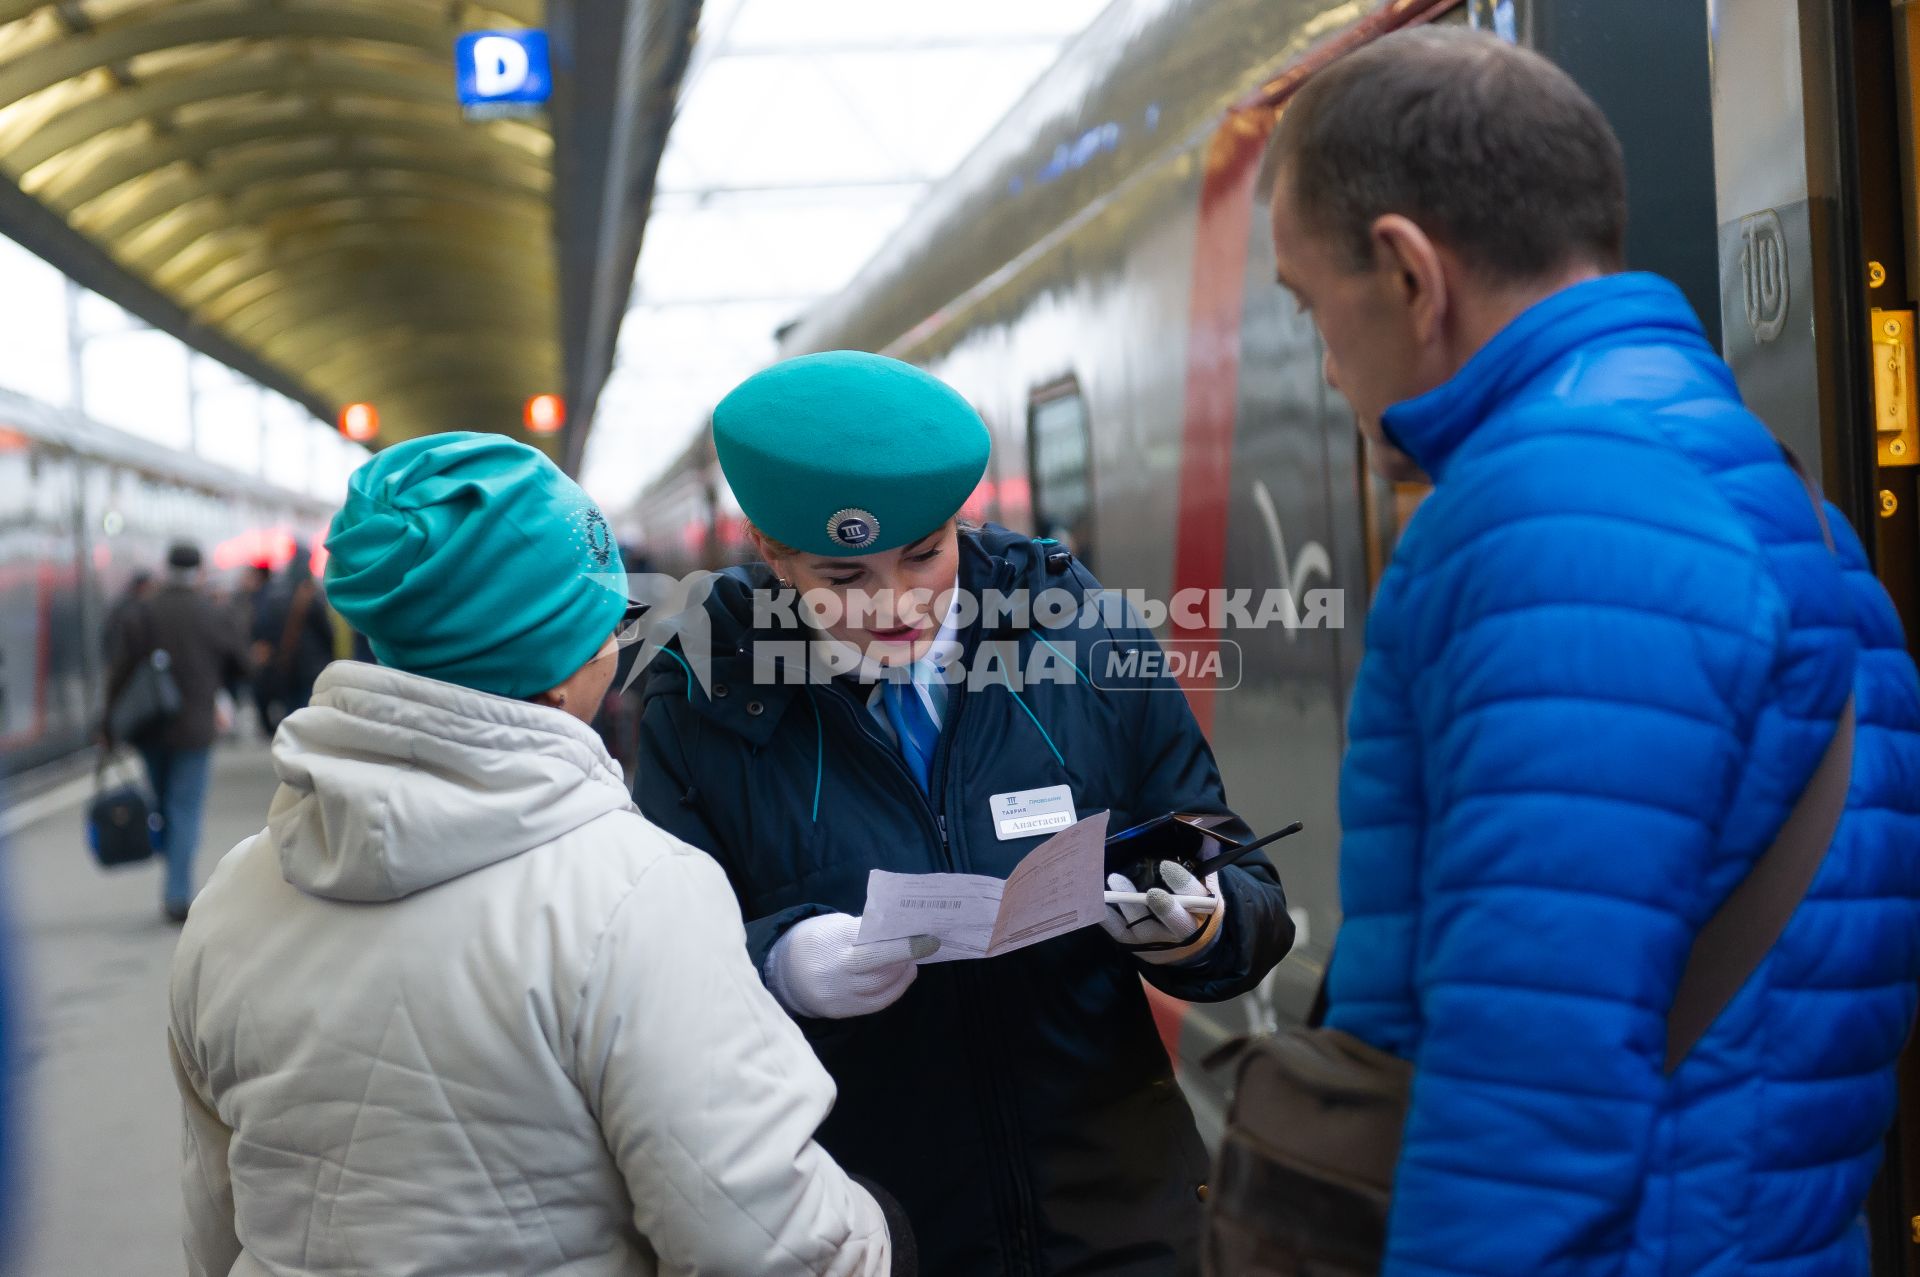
point(460, 1009)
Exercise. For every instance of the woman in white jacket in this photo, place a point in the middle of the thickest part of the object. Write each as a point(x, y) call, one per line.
point(459, 1008)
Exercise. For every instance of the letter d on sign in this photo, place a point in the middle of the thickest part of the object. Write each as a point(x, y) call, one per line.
point(499, 65)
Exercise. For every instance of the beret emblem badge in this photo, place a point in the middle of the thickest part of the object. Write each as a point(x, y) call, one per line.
point(854, 528)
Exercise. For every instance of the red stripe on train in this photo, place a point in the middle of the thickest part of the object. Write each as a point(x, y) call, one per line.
point(1168, 1015)
point(1227, 201)
point(1213, 369)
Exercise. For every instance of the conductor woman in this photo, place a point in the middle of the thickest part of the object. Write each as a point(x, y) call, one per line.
point(1022, 1107)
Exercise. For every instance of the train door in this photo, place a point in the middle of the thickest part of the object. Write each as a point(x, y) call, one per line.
point(94, 555)
point(56, 497)
point(1886, 459)
point(1874, 56)
point(22, 612)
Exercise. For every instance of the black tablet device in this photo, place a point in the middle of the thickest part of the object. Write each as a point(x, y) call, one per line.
point(1192, 839)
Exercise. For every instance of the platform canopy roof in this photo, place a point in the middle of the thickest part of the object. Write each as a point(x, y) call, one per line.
point(290, 185)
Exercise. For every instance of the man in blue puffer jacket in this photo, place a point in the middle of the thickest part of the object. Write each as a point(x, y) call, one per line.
point(1609, 651)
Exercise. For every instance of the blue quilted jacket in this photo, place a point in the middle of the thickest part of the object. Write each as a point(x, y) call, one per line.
point(1607, 655)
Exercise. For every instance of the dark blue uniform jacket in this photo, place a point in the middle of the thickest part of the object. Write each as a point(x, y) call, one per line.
point(1022, 1108)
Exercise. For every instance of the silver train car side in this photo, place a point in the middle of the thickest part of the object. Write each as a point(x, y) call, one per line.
point(1097, 278)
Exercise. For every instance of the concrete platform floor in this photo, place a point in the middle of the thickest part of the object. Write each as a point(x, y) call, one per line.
point(99, 1176)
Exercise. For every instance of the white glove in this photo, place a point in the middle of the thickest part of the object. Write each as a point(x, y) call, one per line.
point(1163, 919)
point(817, 969)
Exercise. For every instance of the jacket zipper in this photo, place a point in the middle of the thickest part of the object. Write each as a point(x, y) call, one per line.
point(937, 823)
point(976, 996)
point(970, 982)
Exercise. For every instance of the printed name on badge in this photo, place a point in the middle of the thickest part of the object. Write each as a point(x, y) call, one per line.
point(1032, 811)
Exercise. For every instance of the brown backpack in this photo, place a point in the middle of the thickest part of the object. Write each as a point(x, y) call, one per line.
point(1305, 1170)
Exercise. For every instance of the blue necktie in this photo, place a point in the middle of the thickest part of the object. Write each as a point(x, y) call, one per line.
point(915, 727)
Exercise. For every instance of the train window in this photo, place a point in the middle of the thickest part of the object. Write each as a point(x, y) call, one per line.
point(1060, 466)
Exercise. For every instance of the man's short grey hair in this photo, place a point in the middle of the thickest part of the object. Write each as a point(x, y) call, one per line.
point(1490, 149)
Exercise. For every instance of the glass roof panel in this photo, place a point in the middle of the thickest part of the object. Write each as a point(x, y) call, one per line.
point(806, 134)
point(889, 24)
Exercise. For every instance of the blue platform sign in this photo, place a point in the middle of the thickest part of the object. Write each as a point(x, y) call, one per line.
point(503, 73)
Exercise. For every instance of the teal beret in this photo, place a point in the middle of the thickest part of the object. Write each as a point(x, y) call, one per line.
point(848, 453)
point(472, 559)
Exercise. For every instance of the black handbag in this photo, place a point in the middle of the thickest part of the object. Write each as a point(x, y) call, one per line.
point(119, 822)
point(150, 697)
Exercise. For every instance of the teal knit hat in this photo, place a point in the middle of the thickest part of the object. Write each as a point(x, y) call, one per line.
point(472, 559)
point(848, 453)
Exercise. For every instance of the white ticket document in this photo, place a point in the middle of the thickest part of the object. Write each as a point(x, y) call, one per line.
point(1058, 887)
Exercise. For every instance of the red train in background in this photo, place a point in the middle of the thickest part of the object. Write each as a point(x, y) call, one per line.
point(83, 508)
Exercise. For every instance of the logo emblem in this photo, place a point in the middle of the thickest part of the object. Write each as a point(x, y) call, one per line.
point(1763, 264)
point(855, 529)
point(598, 537)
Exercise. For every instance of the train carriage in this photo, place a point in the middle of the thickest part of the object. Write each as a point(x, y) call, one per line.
point(1097, 278)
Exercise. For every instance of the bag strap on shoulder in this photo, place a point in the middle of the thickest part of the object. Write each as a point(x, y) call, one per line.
point(1734, 941)
point(1814, 495)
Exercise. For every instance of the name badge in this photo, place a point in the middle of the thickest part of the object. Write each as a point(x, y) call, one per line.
point(1032, 811)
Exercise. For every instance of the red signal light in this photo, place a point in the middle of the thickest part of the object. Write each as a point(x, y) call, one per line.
point(359, 421)
point(546, 414)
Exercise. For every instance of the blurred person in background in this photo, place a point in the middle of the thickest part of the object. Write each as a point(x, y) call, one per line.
point(113, 629)
point(205, 656)
point(251, 592)
point(292, 639)
point(460, 1008)
point(247, 602)
point(1610, 652)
